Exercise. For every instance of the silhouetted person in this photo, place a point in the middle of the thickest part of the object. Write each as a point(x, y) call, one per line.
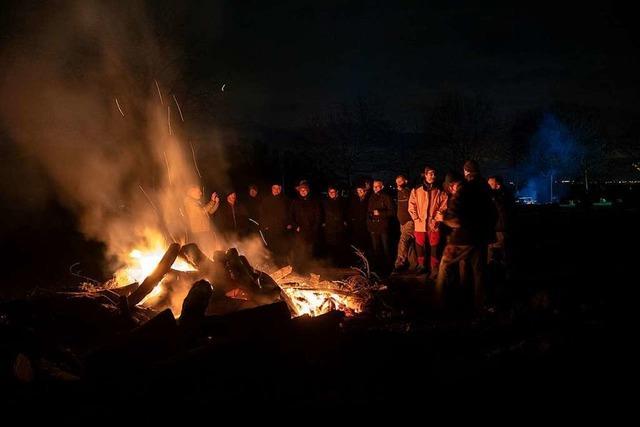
point(334, 226)
point(273, 218)
point(253, 202)
point(405, 242)
point(357, 219)
point(231, 218)
point(304, 220)
point(380, 210)
point(499, 251)
point(471, 214)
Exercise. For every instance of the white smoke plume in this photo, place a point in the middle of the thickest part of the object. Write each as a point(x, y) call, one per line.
point(81, 89)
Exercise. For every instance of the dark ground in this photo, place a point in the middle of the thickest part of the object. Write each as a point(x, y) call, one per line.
point(552, 339)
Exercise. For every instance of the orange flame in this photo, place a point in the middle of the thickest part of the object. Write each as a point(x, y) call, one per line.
point(142, 260)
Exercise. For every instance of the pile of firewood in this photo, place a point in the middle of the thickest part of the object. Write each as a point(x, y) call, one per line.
point(235, 283)
point(97, 337)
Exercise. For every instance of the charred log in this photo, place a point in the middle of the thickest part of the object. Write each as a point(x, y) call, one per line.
point(195, 304)
point(239, 271)
point(135, 350)
point(192, 254)
point(250, 321)
point(213, 271)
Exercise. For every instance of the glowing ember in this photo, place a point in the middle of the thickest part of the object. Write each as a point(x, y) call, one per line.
point(141, 263)
point(314, 302)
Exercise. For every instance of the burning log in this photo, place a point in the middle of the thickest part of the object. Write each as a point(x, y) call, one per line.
point(154, 278)
point(194, 256)
point(260, 287)
point(232, 274)
point(316, 297)
point(212, 270)
point(282, 273)
point(238, 270)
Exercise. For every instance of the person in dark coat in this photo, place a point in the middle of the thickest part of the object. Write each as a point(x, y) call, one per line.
point(305, 219)
point(379, 212)
point(499, 251)
point(471, 214)
point(253, 202)
point(231, 218)
point(273, 218)
point(357, 219)
point(334, 226)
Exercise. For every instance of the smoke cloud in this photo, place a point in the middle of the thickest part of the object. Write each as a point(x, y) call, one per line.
point(86, 96)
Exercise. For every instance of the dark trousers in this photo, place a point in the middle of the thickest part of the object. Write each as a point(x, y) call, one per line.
point(471, 261)
point(499, 250)
point(380, 248)
point(335, 248)
point(278, 245)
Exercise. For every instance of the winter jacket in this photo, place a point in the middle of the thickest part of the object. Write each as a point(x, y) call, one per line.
point(274, 213)
point(424, 202)
point(334, 216)
point(383, 204)
point(198, 214)
point(306, 214)
point(471, 214)
point(232, 218)
point(403, 206)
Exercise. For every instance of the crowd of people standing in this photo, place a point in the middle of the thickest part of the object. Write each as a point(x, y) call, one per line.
point(448, 230)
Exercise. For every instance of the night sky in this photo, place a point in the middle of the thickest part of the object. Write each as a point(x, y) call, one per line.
point(284, 61)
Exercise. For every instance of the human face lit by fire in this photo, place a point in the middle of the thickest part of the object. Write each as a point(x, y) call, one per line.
point(360, 192)
point(303, 191)
point(333, 193)
point(430, 176)
point(400, 182)
point(195, 193)
point(253, 192)
point(493, 184)
point(377, 186)
point(231, 198)
point(276, 189)
point(454, 187)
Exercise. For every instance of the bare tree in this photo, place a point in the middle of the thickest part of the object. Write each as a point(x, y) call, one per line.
point(460, 127)
point(347, 139)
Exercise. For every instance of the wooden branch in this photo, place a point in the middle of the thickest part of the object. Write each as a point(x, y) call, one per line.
point(154, 278)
